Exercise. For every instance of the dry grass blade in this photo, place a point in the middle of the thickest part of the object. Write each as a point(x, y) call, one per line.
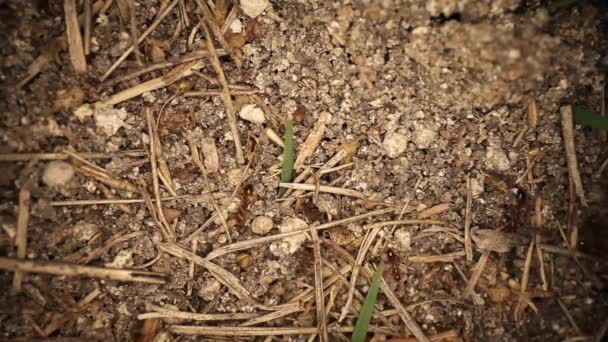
point(62, 156)
point(226, 278)
point(367, 242)
point(238, 246)
point(120, 184)
point(48, 267)
point(255, 331)
point(477, 271)
point(58, 321)
point(164, 225)
point(448, 257)
point(85, 258)
point(468, 245)
point(569, 317)
point(324, 188)
point(568, 132)
point(450, 335)
point(411, 325)
point(518, 312)
point(287, 310)
point(160, 312)
point(319, 295)
point(141, 38)
point(186, 198)
point(217, 31)
point(312, 141)
point(218, 212)
point(226, 97)
point(23, 218)
point(77, 58)
point(88, 23)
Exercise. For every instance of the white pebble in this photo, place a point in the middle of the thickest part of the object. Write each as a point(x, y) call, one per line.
point(394, 144)
point(261, 225)
point(252, 113)
point(57, 173)
point(109, 120)
point(424, 136)
point(291, 244)
point(253, 8)
point(496, 159)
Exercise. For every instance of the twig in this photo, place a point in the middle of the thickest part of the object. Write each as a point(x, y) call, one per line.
point(312, 141)
point(413, 327)
point(266, 239)
point(601, 331)
point(23, 218)
point(187, 198)
point(57, 322)
point(141, 38)
point(438, 337)
point(477, 271)
point(160, 312)
point(165, 228)
point(57, 268)
point(217, 31)
point(215, 62)
point(219, 92)
point(212, 218)
point(569, 317)
point(133, 23)
point(524, 282)
point(218, 212)
point(319, 295)
point(324, 188)
point(568, 132)
point(85, 258)
point(223, 276)
point(468, 245)
point(448, 257)
point(256, 331)
point(109, 195)
point(287, 310)
point(62, 156)
point(88, 23)
point(77, 58)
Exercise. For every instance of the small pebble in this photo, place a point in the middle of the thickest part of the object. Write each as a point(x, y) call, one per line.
point(252, 113)
point(394, 144)
point(261, 225)
point(57, 173)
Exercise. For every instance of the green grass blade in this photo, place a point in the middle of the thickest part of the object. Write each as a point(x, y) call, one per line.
point(556, 5)
point(587, 117)
point(365, 315)
point(288, 154)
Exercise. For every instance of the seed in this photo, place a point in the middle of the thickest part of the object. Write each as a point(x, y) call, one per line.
point(245, 260)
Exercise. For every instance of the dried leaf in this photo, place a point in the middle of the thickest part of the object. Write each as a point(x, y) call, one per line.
point(170, 214)
point(210, 155)
point(68, 98)
point(496, 241)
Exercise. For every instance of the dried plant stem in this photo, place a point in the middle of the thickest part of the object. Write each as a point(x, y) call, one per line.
point(324, 188)
point(569, 317)
point(23, 218)
point(187, 198)
point(85, 258)
point(197, 161)
point(258, 331)
point(413, 327)
point(468, 245)
point(319, 295)
point(141, 38)
point(568, 133)
point(477, 271)
point(217, 31)
point(448, 257)
point(165, 227)
point(62, 156)
point(266, 239)
point(88, 24)
point(524, 283)
point(60, 320)
point(77, 57)
point(160, 312)
point(312, 141)
point(48, 267)
point(226, 97)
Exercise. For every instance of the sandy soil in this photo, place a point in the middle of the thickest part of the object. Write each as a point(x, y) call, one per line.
point(417, 97)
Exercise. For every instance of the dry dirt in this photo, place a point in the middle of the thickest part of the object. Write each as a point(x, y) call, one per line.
point(425, 94)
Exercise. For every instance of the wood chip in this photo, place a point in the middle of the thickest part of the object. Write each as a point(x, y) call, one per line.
point(312, 141)
point(434, 210)
point(210, 155)
point(77, 57)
